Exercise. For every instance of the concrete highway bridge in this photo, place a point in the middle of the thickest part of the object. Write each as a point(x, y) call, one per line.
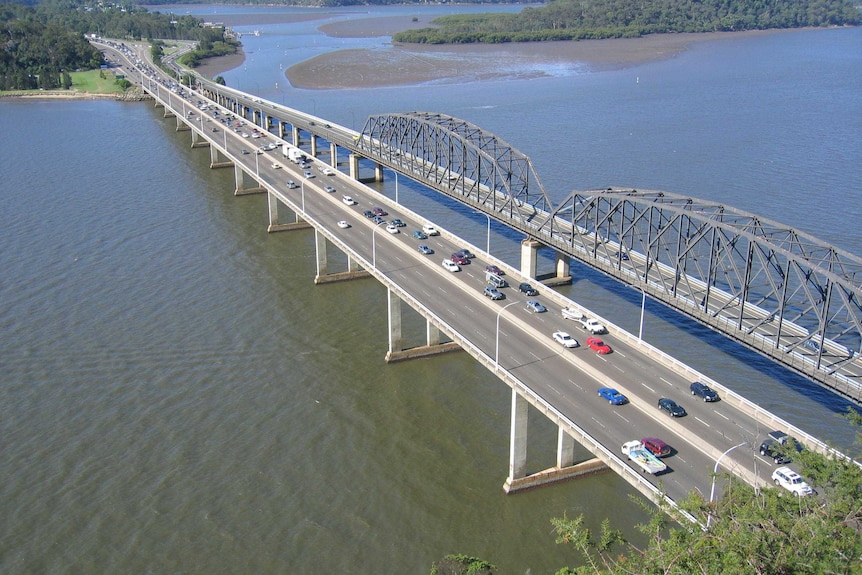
point(754, 280)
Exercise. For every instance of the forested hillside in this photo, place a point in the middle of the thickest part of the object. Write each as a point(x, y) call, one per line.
point(583, 19)
point(43, 41)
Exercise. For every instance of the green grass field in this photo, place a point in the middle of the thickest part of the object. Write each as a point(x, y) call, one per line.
point(90, 82)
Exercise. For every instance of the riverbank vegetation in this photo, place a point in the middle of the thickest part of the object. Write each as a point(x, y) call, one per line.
point(576, 20)
point(767, 531)
point(47, 40)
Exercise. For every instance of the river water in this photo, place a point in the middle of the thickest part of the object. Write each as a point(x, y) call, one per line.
point(178, 397)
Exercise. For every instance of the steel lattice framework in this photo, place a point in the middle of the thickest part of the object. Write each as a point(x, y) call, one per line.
point(779, 291)
point(456, 158)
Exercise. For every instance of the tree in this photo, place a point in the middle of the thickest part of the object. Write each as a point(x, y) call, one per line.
point(767, 531)
point(220, 80)
point(462, 565)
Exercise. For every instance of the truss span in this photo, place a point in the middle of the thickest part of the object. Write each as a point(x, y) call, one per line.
point(781, 292)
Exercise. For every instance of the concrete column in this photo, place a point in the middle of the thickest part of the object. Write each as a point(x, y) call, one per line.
point(320, 248)
point(378, 173)
point(432, 334)
point(562, 265)
point(565, 449)
point(529, 256)
point(281, 129)
point(296, 139)
point(239, 178)
point(395, 341)
point(353, 264)
point(353, 163)
point(518, 438)
point(313, 146)
point(272, 203)
point(333, 155)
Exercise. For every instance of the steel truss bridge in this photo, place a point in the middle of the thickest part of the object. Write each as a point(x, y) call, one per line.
point(783, 293)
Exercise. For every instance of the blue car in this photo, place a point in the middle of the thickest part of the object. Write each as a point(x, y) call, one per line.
point(613, 396)
point(420, 235)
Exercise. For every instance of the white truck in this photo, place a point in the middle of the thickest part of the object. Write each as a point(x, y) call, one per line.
point(648, 462)
point(294, 154)
point(591, 325)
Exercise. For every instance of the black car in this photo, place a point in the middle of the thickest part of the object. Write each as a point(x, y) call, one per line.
point(466, 253)
point(368, 214)
point(671, 407)
point(773, 451)
point(527, 289)
point(703, 391)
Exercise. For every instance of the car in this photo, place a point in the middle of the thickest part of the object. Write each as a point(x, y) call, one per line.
point(328, 172)
point(420, 235)
point(598, 346)
point(392, 229)
point(494, 270)
point(613, 396)
point(622, 255)
point(276, 166)
point(291, 184)
point(656, 446)
point(425, 249)
point(244, 152)
point(811, 344)
point(493, 293)
point(308, 174)
point(451, 266)
point(368, 214)
point(791, 481)
point(378, 211)
point(214, 128)
point(536, 307)
point(459, 259)
point(783, 439)
point(564, 339)
point(303, 165)
point(703, 391)
point(328, 189)
point(672, 407)
point(399, 223)
point(348, 200)
point(430, 230)
point(527, 289)
point(343, 224)
point(772, 450)
point(466, 253)
point(378, 220)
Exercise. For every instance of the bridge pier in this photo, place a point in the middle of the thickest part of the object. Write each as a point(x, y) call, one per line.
point(240, 178)
point(274, 225)
point(529, 264)
point(218, 159)
point(566, 468)
point(181, 125)
point(397, 352)
point(199, 141)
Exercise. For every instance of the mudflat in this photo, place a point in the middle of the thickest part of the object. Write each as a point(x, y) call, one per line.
point(411, 64)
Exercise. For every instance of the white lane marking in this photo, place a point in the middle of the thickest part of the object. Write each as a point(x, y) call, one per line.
point(648, 387)
point(703, 422)
point(721, 415)
point(666, 381)
point(621, 417)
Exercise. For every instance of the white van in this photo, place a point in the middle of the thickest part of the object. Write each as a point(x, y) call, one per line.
point(495, 280)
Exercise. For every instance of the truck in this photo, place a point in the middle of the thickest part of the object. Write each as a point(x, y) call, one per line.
point(648, 462)
point(593, 326)
point(294, 154)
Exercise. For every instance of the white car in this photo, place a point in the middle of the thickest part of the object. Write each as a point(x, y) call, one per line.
point(565, 339)
point(329, 189)
point(430, 230)
point(348, 200)
point(392, 228)
point(276, 165)
point(308, 174)
point(451, 266)
point(791, 481)
point(291, 184)
point(343, 224)
point(328, 172)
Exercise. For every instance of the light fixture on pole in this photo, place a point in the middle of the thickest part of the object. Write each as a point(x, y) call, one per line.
point(714, 473)
point(497, 340)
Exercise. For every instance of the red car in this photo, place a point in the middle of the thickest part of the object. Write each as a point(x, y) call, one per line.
point(378, 211)
point(460, 259)
point(598, 346)
point(656, 446)
point(494, 270)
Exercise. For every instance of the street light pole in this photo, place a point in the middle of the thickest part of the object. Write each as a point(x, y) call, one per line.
point(374, 245)
point(488, 235)
point(302, 191)
point(643, 305)
point(497, 343)
point(396, 185)
point(714, 473)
